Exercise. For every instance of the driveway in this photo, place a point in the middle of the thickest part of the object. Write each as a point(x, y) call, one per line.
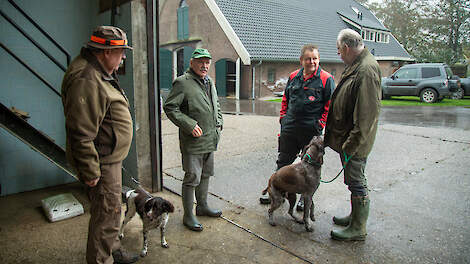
point(418, 178)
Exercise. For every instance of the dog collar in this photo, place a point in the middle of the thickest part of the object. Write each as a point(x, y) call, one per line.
point(311, 161)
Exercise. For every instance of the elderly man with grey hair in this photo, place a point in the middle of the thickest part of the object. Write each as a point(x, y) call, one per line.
point(352, 125)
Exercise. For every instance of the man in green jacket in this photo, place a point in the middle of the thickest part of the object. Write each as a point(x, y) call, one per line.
point(193, 106)
point(352, 125)
point(99, 129)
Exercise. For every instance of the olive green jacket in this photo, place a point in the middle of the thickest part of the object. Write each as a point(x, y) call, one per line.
point(98, 122)
point(355, 106)
point(187, 105)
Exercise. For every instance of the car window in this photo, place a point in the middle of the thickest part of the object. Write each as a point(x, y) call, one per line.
point(407, 73)
point(449, 72)
point(430, 72)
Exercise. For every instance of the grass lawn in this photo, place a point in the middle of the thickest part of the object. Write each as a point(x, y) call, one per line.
point(414, 101)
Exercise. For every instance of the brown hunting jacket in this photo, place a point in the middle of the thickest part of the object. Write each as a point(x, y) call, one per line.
point(98, 122)
point(355, 105)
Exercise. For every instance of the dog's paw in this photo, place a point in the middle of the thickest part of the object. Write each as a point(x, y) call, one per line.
point(143, 253)
point(308, 228)
point(121, 236)
point(165, 245)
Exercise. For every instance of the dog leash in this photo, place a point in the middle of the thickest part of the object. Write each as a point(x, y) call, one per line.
point(346, 160)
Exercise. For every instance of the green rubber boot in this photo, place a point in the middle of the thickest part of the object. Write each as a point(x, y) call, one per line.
point(189, 220)
point(202, 209)
point(356, 229)
point(342, 221)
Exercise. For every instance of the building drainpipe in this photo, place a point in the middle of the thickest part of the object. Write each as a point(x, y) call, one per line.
point(253, 79)
point(154, 94)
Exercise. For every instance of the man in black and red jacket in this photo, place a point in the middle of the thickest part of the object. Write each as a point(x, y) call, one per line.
point(304, 108)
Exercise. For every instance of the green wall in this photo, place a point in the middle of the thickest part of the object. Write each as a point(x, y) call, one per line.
point(70, 23)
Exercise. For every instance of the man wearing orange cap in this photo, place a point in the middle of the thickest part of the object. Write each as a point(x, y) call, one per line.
point(99, 133)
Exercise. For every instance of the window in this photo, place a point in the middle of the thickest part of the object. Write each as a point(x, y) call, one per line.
point(271, 75)
point(430, 72)
point(407, 73)
point(368, 35)
point(449, 72)
point(183, 21)
point(373, 35)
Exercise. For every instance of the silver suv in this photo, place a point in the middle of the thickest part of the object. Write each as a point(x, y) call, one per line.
point(429, 81)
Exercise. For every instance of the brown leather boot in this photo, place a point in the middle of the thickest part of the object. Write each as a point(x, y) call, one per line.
point(121, 256)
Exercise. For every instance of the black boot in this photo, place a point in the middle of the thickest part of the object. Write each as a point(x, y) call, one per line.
point(265, 199)
point(123, 257)
point(201, 197)
point(300, 205)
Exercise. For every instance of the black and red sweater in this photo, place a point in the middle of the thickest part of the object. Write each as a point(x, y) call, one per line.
point(306, 101)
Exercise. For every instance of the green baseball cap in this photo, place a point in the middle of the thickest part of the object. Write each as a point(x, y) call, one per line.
point(201, 53)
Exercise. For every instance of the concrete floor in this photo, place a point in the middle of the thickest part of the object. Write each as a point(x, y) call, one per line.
point(420, 210)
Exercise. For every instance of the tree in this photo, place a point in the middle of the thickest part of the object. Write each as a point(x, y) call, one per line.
point(448, 25)
point(430, 30)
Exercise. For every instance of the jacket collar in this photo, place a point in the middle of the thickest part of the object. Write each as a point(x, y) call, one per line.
point(93, 61)
point(196, 77)
point(200, 81)
point(353, 67)
point(316, 74)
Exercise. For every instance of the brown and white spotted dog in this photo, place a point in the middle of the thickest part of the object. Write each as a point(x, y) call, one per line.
point(152, 210)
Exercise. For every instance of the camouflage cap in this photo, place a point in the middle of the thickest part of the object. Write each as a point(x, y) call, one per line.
point(201, 53)
point(108, 37)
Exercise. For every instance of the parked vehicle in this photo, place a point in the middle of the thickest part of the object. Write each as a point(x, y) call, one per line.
point(464, 89)
point(430, 81)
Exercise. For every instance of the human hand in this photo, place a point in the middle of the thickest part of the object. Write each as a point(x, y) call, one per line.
point(197, 131)
point(92, 183)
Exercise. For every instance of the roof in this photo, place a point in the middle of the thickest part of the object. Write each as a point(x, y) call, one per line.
point(425, 65)
point(277, 29)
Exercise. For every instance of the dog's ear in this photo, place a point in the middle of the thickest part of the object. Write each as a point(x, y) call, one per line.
point(148, 205)
point(168, 207)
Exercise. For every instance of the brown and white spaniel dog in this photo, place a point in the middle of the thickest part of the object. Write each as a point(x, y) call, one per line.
point(152, 210)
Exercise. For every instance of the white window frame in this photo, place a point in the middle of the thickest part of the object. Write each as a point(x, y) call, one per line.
point(375, 35)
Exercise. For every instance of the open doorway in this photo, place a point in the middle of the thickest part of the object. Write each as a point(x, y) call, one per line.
point(226, 75)
point(183, 56)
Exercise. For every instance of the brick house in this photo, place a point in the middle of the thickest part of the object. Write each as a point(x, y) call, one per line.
point(256, 44)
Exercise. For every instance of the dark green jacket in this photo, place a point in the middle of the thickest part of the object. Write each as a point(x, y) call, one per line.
point(187, 105)
point(355, 106)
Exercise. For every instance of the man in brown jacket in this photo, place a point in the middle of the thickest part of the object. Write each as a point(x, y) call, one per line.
point(99, 132)
point(351, 127)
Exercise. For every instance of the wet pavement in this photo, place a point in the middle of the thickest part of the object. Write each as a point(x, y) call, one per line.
point(432, 116)
point(418, 179)
point(417, 173)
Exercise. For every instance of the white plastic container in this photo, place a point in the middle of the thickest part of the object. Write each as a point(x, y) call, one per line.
point(62, 206)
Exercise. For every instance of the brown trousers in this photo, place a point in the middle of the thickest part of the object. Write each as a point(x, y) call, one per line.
point(103, 229)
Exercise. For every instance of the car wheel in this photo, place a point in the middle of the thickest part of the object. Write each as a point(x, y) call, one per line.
point(385, 97)
point(458, 94)
point(428, 95)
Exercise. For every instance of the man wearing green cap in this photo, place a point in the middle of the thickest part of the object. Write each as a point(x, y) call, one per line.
point(193, 106)
point(98, 125)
